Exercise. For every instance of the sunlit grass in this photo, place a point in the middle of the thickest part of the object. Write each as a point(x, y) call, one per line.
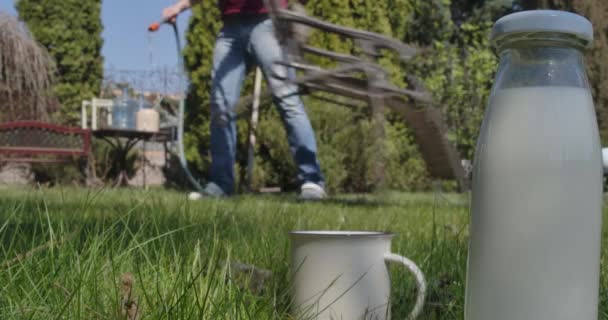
point(63, 252)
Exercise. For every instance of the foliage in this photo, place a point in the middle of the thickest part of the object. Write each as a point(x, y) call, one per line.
point(71, 173)
point(71, 31)
point(204, 25)
point(459, 69)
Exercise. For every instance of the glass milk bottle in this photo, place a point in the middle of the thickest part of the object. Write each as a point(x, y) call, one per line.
point(534, 252)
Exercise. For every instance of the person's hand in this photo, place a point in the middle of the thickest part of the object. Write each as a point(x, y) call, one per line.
point(170, 13)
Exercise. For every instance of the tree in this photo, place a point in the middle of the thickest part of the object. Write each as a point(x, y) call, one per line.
point(71, 32)
point(203, 27)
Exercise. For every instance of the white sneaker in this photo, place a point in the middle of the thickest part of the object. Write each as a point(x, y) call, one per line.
point(312, 191)
point(211, 190)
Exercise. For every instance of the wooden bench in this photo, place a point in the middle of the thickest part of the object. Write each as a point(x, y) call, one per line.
point(41, 142)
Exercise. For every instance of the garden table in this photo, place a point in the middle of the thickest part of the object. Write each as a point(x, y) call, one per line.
point(123, 140)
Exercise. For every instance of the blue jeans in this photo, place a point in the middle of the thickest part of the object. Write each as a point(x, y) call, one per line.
point(244, 40)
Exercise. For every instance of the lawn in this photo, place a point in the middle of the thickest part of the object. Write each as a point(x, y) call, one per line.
point(71, 253)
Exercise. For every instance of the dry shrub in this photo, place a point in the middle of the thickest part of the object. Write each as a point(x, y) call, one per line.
point(26, 74)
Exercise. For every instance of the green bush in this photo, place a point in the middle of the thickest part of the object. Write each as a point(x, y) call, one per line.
point(71, 173)
point(71, 31)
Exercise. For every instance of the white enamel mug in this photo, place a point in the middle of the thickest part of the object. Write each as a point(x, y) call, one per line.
point(344, 275)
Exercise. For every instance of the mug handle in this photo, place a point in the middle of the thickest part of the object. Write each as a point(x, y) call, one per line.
point(420, 281)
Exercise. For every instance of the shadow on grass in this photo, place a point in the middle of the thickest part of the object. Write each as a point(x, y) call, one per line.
point(363, 201)
point(350, 202)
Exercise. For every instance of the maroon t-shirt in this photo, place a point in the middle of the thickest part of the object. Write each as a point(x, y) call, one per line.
point(229, 7)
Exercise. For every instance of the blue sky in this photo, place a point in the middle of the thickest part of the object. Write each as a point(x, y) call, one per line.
point(127, 44)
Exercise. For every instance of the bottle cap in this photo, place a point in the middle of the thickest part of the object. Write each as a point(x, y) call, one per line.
point(549, 21)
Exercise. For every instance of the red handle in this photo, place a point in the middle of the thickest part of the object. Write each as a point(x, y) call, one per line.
point(154, 27)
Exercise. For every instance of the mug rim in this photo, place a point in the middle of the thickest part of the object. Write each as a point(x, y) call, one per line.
point(340, 233)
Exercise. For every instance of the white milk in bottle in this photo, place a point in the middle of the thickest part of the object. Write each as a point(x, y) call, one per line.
point(534, 252)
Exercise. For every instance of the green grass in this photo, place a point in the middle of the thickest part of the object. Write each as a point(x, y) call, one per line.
point(78, 242)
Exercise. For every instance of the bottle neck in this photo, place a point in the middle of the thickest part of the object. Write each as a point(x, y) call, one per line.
point(540, 39)
point(543, 64)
